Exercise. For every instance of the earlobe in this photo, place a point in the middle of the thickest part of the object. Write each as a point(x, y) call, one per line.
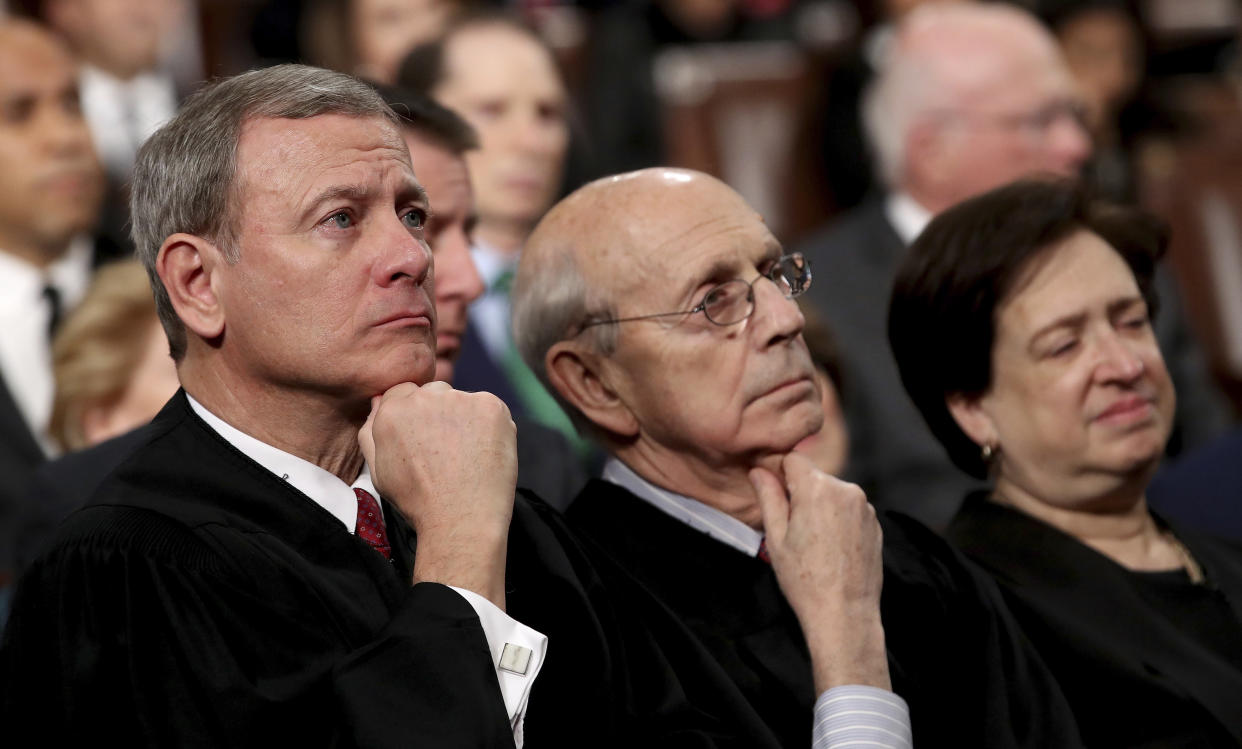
point(577, 375)
point(972, 418)
point(184, 265)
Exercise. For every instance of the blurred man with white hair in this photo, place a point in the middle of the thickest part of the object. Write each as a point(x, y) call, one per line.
point(970, 97)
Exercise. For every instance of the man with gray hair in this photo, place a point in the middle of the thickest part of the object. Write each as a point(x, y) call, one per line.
point(970, 97)
point(660, 309)
point(314, 544)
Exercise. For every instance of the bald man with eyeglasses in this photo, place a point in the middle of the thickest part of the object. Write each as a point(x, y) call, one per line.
point(659, 308)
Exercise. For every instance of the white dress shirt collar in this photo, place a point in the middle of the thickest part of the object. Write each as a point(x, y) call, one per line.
point(490, 314)
point(719, 525)
point(124, 113)
point(326, 489)
point(907, 216)
point(491, 262)
point(25, 351)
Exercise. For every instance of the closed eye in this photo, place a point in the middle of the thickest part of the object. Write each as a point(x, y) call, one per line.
point(1062, 348)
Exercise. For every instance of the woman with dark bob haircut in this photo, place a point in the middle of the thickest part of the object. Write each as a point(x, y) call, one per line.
point(1021, 325)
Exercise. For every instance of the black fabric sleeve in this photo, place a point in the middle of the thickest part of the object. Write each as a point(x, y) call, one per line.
point(139, 632)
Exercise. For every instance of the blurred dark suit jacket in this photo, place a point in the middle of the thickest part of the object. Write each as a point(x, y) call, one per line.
point(1204, 488)
point(20, 453)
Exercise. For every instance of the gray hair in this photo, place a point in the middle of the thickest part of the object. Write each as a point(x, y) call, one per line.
point(184, 177)
point(551, 300)
point(915, 83)
point(903, 92)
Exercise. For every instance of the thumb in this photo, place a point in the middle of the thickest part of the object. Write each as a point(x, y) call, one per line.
point(772, 503)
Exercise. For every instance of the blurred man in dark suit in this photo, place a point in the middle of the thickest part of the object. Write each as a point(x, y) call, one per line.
point(503, 80)
point(50, 190)
point(970, 97)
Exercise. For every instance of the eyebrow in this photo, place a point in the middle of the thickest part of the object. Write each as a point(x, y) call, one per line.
point(722, 268)
point(361, 194)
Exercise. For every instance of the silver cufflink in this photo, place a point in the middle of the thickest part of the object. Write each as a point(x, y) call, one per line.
point(515, 659)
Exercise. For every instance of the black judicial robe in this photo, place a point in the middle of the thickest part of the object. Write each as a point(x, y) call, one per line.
point(198, 600)
point(1144, 659)
point(955, 654)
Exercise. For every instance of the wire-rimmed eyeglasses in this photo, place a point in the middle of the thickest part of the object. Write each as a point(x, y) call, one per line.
point(733, 301)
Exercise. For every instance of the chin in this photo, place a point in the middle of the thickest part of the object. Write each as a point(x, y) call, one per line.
point(796, 430)
point(419, 372)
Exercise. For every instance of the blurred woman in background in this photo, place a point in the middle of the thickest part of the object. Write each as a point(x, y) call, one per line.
point(110, 360)
point(1021, 325)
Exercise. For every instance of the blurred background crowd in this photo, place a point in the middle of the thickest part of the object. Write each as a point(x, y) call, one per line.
point(782, 99)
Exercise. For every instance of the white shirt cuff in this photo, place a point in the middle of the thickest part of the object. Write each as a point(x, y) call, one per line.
point(859, 716)
point(517, 653)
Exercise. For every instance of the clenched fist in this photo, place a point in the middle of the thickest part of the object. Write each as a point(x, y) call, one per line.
point(448, 461)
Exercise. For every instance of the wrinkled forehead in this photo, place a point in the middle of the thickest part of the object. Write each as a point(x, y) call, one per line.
point(285, 154)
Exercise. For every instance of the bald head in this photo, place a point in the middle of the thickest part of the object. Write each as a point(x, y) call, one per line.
point(969, 98)
point(608, 223)
point(627, 245)
point(607, 241)
point(658, 306)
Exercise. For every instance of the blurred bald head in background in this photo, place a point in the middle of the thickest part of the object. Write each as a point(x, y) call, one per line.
point(970, 97)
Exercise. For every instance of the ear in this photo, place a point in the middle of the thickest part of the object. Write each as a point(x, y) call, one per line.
point(184, 264)
point(579, 376)
point(971, 417)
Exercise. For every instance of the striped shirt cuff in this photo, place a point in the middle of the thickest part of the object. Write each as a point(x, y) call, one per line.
point(859, 716)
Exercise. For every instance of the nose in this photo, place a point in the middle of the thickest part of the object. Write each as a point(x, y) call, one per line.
point(456, 276)
point(541, 133)
point(776, 319)
point(1119, 361)
point(1069, 145)
point(402, 256)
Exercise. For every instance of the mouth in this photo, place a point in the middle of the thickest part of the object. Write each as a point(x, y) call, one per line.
point(791, 388)
point(1127, 411)
point(525, 183)
point(68, 182)
point(405, 319)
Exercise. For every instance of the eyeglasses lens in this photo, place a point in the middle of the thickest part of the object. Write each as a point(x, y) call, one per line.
point(728, 303)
